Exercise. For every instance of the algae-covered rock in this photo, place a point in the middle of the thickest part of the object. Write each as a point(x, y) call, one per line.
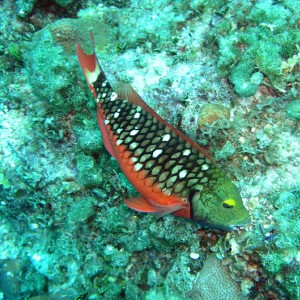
point(261, 37)
point(282, 260)
point(282, 149)
point(63, 3)
point(53, 80)
point(212, 112)
point(293, 109)
point(81, 210)
point(24, 7)
point(88, 173)
point(53, 68)
point(117, 3)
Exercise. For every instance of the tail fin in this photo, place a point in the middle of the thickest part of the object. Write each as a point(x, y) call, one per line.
point(90, 67)
point(94, 76)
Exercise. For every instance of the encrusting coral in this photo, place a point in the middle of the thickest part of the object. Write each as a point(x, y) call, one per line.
point(214, 283)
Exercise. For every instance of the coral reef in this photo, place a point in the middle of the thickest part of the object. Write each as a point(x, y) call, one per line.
point(64, 230)
point(211, 113)
point(282, 256)
point(213, 282)
point(293, 109)
point(254, 40)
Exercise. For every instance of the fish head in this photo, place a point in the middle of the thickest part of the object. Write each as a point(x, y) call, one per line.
point(219, 206)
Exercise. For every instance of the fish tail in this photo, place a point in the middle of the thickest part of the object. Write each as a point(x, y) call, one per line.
point(99, 87)
point(92, 70)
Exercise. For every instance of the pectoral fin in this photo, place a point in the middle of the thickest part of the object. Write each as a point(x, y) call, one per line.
point(141, 204)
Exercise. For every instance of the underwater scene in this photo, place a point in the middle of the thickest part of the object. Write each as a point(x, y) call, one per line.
point(149, 150)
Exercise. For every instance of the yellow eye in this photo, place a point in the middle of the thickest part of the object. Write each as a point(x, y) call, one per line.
point(229, 203)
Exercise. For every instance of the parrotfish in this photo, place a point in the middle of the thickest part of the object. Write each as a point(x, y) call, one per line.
point(171, 172)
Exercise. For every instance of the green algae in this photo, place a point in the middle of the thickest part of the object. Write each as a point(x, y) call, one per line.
point(212, 112)
point(293, 109)
point(14, 51)
point(259, 40)
point(88, 171)
point(283, 251)
point(3, 181)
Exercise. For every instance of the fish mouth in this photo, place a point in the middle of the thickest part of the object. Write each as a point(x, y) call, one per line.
point(244, 222)
point(236, 227)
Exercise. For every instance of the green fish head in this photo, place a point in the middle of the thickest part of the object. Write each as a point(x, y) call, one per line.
point(220, 206)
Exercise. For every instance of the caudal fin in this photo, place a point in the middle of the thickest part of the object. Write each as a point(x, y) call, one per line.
point(94, 77)
point(90, 67)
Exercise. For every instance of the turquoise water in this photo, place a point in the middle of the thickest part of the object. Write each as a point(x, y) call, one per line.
point(224, 73)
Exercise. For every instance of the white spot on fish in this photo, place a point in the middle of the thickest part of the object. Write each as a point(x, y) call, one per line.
point(133, 132)
point(116, 115)
point(205, 167)
point(119, 130)
point(104, 84)
point(166, 137)
point(113, 96)
point(186, 152)
point(167, 191)
point(138, 167)
point(134, 159)
point(136, 115)
point(119, 142)
point(103, 95)
point(156, 153)
point(92, 76)
point(182, 174)
point(106, 121)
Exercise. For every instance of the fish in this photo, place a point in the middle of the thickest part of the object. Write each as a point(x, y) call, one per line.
point(172, 174)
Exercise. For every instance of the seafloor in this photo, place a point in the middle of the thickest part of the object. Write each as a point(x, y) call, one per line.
point(226, 73)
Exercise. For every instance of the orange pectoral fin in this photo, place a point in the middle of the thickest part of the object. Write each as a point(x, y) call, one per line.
point(141, 204)
point(168, 210)
point(183, 212)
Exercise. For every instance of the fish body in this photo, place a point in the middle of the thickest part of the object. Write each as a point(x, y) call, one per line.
point(171, 172)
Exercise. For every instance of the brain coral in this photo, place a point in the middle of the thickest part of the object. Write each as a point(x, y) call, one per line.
point(214, 283)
